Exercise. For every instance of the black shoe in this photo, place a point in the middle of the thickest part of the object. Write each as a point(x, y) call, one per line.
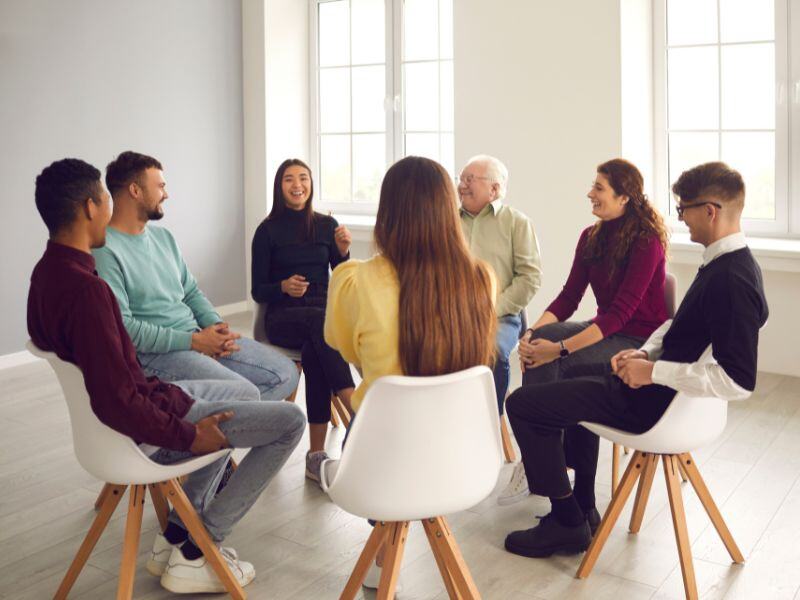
point(225, 476)
point(549, 537)
point(593, 519)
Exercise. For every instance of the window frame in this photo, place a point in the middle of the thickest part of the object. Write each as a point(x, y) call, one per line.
point(787, 123)
point(394, 100)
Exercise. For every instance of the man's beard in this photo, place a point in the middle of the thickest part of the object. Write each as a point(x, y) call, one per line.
point(155, 215)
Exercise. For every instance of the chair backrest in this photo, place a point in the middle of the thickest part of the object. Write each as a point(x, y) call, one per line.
point(107, 454)
point(421, 447)
point(259, 318)
point(670, 293)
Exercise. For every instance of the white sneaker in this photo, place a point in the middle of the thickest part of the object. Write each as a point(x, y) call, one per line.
point(373, 579)
point(162, 549)
point(183, 576)
point(517, 488)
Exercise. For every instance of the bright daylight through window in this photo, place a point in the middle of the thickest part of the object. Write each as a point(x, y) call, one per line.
point(382, 88)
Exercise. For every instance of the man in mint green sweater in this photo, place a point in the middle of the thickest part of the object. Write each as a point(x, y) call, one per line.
point(177, 333)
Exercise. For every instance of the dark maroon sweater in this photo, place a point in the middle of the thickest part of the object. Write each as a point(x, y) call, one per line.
point(632, 301)
point(72, 312)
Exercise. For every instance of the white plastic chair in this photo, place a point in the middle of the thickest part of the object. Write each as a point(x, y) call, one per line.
point(115, 458)
point(338, 409)
point(687, 424)
point(670, 299)
point(421, 447)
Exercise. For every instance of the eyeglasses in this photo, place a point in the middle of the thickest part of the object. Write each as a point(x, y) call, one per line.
point(470, 178)
point(679, 208)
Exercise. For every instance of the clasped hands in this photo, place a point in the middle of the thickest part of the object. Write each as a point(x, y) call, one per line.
point(216, 340)
point(631, 366)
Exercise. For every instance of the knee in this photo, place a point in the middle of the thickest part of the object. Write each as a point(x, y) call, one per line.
point(552, 332)
point(295, 421)
point(513, 403)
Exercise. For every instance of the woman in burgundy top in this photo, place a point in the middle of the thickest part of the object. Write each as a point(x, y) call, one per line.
point(622, 258)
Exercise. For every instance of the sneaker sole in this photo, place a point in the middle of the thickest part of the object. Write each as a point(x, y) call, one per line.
point(507, 500)
point(545, 552)
point(178, 585)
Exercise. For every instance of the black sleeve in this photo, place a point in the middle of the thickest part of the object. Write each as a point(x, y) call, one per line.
point(262, 290)
point(336, 257)
point(733, 310)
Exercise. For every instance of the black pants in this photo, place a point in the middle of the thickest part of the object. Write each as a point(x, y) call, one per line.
point(301, 327)
point(545, 420)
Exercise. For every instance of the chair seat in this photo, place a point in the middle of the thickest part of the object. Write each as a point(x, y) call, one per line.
point(290, 353)
point(151, 472)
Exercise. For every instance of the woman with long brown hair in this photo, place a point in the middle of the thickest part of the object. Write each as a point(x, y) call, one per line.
point(422, 305)
point(622, 257)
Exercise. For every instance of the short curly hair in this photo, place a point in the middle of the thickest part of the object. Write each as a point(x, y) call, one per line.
point(713, 179)
point(126, 168)
point(62, 187)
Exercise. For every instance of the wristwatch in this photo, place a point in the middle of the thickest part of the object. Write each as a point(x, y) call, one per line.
point(563, 352)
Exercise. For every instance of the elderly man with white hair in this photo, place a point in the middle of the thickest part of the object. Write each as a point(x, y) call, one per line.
point(503, 237)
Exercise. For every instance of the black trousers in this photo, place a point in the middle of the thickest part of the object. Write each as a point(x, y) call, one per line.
point(301, 327)
point(545, 420)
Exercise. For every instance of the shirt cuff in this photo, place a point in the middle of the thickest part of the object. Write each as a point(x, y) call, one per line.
point(181, 340)
point(665, 373)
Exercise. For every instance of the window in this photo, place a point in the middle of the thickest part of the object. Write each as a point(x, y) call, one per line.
point(721, 74)
point(382, 88)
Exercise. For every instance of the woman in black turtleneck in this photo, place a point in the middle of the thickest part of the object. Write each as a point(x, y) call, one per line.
point(293, 249)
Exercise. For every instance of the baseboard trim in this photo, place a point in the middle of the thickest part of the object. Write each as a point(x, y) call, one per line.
point(17, 359)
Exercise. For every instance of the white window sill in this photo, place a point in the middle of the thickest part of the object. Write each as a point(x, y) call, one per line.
point(773, 254)
point(361, 226)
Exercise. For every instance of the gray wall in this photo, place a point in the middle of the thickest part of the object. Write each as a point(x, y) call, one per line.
point(90, 78)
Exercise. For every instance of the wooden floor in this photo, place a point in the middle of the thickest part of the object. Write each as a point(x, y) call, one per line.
point(303, 547)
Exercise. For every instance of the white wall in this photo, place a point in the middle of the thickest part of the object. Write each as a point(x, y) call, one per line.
point(91, 78)
point(276, 67)
point(538, 86)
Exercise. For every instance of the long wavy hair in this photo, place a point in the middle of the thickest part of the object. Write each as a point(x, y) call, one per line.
point(640, 220)
point(447, 318)
point(279, 207)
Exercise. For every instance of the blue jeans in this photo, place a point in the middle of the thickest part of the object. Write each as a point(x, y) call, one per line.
point(270, 373)
point(271, 430)
point(508, 330)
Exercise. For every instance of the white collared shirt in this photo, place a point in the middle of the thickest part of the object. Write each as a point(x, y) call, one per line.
point(704, 377)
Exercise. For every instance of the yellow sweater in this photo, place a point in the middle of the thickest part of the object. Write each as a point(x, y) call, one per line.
point(361, 319)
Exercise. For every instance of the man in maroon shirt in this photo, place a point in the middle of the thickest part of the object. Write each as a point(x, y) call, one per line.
point(72, 312)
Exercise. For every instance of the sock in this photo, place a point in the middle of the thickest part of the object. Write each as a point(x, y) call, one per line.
point(190, 551)
point(566, 511)
point(175, 534)
point(584, 491)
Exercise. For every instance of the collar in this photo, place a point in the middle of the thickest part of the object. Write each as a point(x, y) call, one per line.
point(730, 243)
point(496, 206)
point(60, 251)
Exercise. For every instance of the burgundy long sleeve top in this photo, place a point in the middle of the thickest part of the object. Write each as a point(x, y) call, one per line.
point(631, 302)
point(72, 312)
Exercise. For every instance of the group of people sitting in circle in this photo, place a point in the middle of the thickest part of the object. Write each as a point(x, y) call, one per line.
point(445, 291)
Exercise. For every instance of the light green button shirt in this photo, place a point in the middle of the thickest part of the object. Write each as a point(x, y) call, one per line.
point(504, 238)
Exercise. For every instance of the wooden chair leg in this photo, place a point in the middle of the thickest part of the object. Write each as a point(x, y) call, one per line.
point(95, 531)
point(643, 492)
point(374, 542)
point(130, 549)
point(679, 524)
point(101, 497)
point(447, 548)
point(339, 407)
point(334, 416)
point(626, 450)
point(160, 504)
point(173, 491)
point(682, 471)
point(508, 447)
point(395, 545)
point(447, 577)
point(687, 462)
point(614, 468)
point(612, 513)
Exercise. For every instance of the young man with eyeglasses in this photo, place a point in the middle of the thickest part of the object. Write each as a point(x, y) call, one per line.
point(724, 308)
point(503, 237)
